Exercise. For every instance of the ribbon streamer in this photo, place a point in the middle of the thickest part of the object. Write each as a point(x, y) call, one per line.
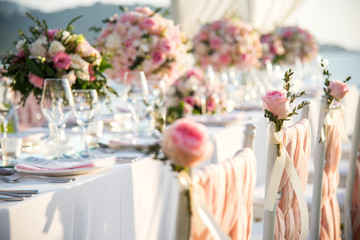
point(284, 162)
point(333, 117)
point(201, 215)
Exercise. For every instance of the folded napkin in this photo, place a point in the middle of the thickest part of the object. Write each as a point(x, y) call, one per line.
point(42, 164)
point(133, 142)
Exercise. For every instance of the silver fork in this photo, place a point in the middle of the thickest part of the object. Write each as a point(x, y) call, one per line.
point(38, 178)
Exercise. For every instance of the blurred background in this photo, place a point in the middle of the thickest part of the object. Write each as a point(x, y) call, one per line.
point(334, 24)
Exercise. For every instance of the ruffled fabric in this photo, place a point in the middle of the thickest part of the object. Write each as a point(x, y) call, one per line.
point(355, 211)
point(330, 211)
point(229, 191)
point(297, 141)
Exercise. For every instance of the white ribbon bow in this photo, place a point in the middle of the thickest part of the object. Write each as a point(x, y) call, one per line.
point(334, 118)
point(201, 215)
point(284, 162)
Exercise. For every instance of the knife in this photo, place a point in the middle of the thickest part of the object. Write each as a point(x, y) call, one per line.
point(11, 198)
point(25, 195)
point(20, 191)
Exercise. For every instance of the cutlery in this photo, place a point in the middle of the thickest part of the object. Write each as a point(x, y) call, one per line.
point(11, 198)
point(20, 191)
point(39, 178)
point(25, 195)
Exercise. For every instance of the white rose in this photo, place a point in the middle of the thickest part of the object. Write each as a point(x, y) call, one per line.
point(71, 77)
point(20, 44)
point(55, 47)
point(112, 41)
point(83, 74)
point(37, 48)
point(78, 63)
point(65, 37)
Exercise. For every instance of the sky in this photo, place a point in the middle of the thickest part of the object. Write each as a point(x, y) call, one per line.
point(335, 22)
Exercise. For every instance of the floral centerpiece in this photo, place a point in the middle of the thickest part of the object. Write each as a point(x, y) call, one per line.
point(227, 43)
point(143, 40)
point(191, 93)
point(54, 53)
point(287, 44)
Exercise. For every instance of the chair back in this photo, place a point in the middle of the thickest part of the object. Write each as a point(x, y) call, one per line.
point(228, 191)
point(349, 231)
point(325, 211)
point(272, 218)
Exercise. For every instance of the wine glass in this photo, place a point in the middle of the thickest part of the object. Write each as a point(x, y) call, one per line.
point(137, 96)
point(57, 104)
point(86, 107)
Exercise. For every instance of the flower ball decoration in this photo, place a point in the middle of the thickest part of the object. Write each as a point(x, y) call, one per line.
point(54, 53)
point(227, 43)
point(289, 43)
point(143, 40)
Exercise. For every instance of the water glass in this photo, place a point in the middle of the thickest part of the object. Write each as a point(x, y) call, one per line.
point(11, 150)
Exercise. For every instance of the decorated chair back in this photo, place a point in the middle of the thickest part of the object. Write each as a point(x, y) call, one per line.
point(325, 212)
point(228, 192)
point(352, 200)
point(285, 208)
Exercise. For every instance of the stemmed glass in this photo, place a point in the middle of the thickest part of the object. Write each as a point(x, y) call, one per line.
point(8, 105)
point(86, 107)
point(137, 96)
point(57, 104)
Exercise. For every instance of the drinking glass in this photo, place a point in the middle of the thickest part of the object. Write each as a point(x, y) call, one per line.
point(57, 104)
point(86, 107)
point(137, 96)
point(8, 105)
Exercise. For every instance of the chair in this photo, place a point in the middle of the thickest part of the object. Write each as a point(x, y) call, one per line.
point(325, 210)
point(352, 201)
point(228, 189)
point(286, 220)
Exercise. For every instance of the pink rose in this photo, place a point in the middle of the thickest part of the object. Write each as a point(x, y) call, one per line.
point(210, 105)
point(51, 33)
point(277, 103)
point(216, 25)
point(158, 57)
point(225, 59)
point(338, 89)
point(166, 45)
point(186, 142)
point(144, 10)
point(36, 80)
point(148, 24)
point(215, 42)
point(194, 73)
point(62, 60)
point(190, 100)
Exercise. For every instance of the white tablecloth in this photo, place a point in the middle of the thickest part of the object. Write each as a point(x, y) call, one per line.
point(130, 201)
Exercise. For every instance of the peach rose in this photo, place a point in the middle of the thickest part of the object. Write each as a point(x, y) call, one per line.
point(186, 143)
point(277, 103)
point(338, 89)
point(36, 80)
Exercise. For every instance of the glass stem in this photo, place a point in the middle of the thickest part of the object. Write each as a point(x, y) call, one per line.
point(5, 124)
point(58, 154)
point(86, 152)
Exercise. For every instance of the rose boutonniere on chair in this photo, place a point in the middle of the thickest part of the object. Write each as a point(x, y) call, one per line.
point(277, 103)
point(334, 89)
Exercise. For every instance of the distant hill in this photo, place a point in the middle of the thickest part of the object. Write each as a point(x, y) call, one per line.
point(12, 17)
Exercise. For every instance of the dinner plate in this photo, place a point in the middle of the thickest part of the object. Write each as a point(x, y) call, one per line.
point(138, 142)
point(46, 167)
point(62, 173)
point(218, 120)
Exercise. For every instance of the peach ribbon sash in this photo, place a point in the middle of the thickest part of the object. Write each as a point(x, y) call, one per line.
point(229, 189)
point(283, 162)
point(201, 215)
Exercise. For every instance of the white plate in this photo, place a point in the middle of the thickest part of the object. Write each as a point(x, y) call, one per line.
point(133, 142)
point(219, 120)
point(62, 173)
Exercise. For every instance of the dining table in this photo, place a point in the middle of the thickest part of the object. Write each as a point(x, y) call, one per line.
point(128, 200)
